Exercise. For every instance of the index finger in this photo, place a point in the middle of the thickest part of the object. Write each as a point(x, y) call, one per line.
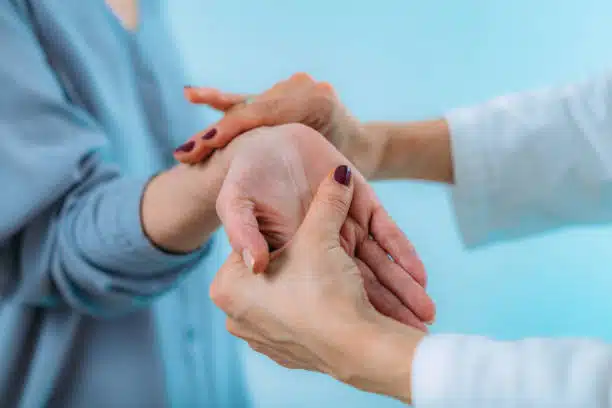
point(222, 101)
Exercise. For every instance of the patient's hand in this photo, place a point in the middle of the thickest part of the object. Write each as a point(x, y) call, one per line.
point(273, 175)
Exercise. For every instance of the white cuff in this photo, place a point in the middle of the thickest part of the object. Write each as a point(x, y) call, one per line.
point(472, 174)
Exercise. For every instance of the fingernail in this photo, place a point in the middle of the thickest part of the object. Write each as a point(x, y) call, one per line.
point(210, 134)
point(343, 175)
point(186, 148)
point(429, 323)
point(248, 259)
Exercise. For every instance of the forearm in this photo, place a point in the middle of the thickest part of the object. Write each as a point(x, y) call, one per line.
point(412, 150)
point(92, 252)
point(178, 206)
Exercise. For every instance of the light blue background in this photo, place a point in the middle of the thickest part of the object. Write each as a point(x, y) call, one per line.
point(406, 59)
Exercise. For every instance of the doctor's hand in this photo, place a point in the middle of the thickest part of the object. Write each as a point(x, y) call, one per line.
point(310, 311)
point(272, 177)
point(299, 99)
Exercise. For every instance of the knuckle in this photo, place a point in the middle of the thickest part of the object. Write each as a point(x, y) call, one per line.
point(302, 77)
point(233, 328)
point(325, 88)
point(227, 286)
point(336, 203)
point(220, 295)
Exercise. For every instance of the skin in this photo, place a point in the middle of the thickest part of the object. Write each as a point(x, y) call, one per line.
point(289, 315)
point(292, 160)
point(412, 150)
point(308, 259)
point(273, 176)
point(343, 337)
point(257, 215)
point(126, 11)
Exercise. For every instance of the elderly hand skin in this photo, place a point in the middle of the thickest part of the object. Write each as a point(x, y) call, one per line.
point(309, 310)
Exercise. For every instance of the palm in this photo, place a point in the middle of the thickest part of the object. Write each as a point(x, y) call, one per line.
point(268, 189)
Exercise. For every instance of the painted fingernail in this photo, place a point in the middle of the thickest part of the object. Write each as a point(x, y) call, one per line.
point(248, 259)
point(343, 175)
point(186, 148)
point(210, 134)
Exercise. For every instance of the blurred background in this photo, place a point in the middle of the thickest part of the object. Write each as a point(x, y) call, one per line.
point(403, 60)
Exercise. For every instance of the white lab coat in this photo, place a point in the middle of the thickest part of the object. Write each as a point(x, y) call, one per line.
point(523, 164)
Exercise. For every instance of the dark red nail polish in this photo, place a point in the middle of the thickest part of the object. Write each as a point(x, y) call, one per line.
point(343, 175)
point(186, 148)
point(210, 134)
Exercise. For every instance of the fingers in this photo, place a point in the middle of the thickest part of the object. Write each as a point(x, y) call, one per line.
point(222, 101)
point(219, 135)
point(240, 222)
point(329, 207)
point(397, 281)
point(203, 143)
point(391, 238)
point(386, 302)
point(288, 101)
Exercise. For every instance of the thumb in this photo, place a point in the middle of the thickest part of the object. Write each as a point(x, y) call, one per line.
point(240, 223)
point(329, 207)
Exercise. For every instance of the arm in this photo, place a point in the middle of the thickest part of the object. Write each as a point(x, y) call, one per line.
point(294, 321)
point(413, 150)
point(71, 231)
point(521, 164)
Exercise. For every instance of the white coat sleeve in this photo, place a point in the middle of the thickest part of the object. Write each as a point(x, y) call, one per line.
point(524, 164)
point(453, 371)
point(531, 162)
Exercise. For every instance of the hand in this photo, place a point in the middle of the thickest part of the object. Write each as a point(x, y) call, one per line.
point(273, 174)
point(299, 99)
point(309, 310)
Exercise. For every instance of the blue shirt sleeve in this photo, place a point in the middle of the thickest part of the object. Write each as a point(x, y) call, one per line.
point(70, 221)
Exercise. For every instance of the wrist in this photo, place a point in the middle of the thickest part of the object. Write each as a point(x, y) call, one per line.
point(178, 206)
point(364, 148)
point(415, 150)
point(383, 354)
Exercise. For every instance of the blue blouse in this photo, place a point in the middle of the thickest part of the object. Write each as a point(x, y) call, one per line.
point(91, 314)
